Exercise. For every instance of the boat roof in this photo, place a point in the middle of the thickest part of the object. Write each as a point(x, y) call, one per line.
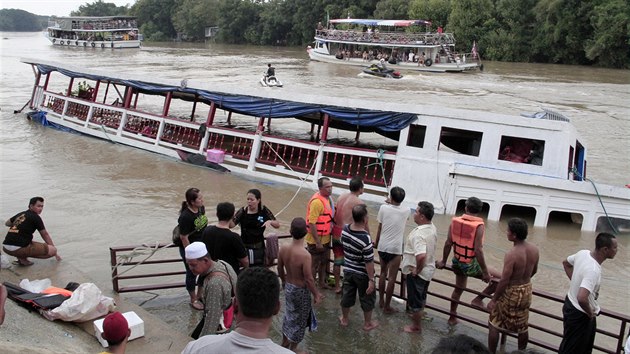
point(352, 114)
point(95, 18)
point(374, 22)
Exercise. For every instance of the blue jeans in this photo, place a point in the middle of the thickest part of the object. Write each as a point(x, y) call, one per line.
point(190, 277)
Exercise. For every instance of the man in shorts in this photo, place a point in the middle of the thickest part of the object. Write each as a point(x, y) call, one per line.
point(465, 236)
point(358, 269)
point(419, 262)
point(319, 215)
point(392, 219)
point(509, 307)
point(343, 216)
point(19, 240)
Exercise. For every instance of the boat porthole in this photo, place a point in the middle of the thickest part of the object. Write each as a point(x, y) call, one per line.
point(93, 45)
point(61, 42)
point(428, 62)
point(54, 40)
point(102, 45)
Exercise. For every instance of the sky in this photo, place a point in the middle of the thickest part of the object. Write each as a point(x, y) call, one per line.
point(54, 7)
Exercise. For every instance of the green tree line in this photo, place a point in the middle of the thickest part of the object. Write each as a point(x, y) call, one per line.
point(591, 32)
point(14, 20)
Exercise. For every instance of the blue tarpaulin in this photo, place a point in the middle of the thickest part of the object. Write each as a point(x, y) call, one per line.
point(385, 121)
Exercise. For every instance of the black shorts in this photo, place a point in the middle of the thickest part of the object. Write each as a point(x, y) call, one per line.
point(386, 257)
point(416, 292)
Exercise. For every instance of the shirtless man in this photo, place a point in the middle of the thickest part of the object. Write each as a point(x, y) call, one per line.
point(509, 307)
point(294, 269)
point(343, 216)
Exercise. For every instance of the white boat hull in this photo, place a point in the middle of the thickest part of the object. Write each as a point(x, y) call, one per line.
point(95, 44)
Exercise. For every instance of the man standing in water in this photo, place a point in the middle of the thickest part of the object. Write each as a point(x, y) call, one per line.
point(509, 307)
point(19, 240)
point(343, 216)
point(359, 269)
point(580, 306)
point(419, 262)
point(319, 214)
point(465, 236)
point(294, 269)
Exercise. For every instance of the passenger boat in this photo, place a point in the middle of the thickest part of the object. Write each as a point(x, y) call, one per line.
point(112, 32)
point(359, 42)
point(532, 165)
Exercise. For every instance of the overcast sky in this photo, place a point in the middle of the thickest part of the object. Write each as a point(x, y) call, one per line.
point(54, 7)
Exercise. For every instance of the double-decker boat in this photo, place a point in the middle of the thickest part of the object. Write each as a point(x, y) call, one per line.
point(514, 164)
point(402, 43)
point(95, 32)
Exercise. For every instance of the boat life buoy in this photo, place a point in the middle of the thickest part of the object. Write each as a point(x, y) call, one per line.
point(84, 44)
point(428, 62)
point(61, 42)
point(76, 43)
point(54, 40)
point(112, 45)
point(102, 45)
point(93, 44)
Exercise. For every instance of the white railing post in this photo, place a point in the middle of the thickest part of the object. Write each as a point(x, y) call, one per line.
point(256, 147)
point(160, 131)
point(123, 121)
point(89, 115)
point(320, 161)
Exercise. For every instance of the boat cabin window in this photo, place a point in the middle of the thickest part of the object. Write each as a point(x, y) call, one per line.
point(522, 150)
point(461, 141)
point(416, 135)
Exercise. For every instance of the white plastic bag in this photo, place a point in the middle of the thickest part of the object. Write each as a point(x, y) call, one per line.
point(86, 303)
point(35, 286)
point(4, 261)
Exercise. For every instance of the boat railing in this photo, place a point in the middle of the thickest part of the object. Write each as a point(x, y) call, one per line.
point(401, 38)
point(545, 320)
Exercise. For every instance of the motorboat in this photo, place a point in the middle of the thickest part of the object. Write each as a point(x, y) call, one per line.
point(378, 71)
point(270, 81)
point(110, 32)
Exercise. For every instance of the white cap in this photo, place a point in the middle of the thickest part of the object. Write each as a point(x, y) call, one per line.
point(196, 250)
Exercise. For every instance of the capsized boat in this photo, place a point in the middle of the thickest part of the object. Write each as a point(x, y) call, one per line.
point(351, 41)
point(534, 166)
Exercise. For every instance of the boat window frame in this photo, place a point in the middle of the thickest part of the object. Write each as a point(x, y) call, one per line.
point(536, 154)
point(414, 139)
point(473, 139)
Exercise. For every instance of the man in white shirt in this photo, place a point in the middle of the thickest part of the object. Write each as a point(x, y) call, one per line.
point(580, 306)
point(419, 262)
point(257, 301)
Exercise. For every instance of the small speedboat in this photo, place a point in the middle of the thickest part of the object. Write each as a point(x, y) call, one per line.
point(376, 70)
point(270, 81)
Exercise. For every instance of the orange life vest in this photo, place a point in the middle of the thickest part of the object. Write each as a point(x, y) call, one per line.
point(463, 231)
point(324, 221)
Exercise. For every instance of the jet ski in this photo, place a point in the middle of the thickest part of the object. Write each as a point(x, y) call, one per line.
point(270, 81)
point(375, 70)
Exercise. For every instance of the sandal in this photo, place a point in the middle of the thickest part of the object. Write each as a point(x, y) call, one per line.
point(197, 305)
point(26, 263)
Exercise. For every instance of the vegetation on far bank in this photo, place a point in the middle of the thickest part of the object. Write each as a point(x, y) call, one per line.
point(595, 32)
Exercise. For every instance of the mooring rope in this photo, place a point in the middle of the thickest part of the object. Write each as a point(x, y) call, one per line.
point(380, 154)
point(144, 249)
point(608, 218)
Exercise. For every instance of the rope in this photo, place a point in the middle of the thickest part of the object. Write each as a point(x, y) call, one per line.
point(107, 135)
point(302, 180)
point(380, 154)
point(608, 218)
point(138, 251)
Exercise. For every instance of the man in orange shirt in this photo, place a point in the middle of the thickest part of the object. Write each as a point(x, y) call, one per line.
point(319, 215)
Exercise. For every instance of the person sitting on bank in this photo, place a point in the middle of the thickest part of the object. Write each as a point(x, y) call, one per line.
point(116, 332)
point(19, 240)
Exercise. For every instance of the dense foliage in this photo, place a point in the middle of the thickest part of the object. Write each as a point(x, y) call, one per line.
point(594, 32)
point(13, 20)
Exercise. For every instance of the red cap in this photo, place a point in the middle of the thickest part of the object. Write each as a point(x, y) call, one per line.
point(115, 327)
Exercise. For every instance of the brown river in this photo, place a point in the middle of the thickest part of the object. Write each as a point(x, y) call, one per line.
point(100, 194)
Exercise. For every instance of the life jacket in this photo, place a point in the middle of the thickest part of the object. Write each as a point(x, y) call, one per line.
point(325, 220)
point(463, 231)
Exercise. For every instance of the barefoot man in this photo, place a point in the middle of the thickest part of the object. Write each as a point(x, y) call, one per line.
point(465, 236)
point(294, 269)
point(419, 262)
point(358, 272)
point(19, 240)
point(392, 218)
point(343, 216)
point(319, 214)
point(509, 307)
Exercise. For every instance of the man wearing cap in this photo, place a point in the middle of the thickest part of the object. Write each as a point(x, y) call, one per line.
point(116, 332)
point(217, 286)
point(257, 301)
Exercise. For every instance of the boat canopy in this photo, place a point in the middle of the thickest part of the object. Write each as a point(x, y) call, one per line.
point(391, 23)
point(383, 122)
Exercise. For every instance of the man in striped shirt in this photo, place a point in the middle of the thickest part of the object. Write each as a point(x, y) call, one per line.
point(358, 268)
